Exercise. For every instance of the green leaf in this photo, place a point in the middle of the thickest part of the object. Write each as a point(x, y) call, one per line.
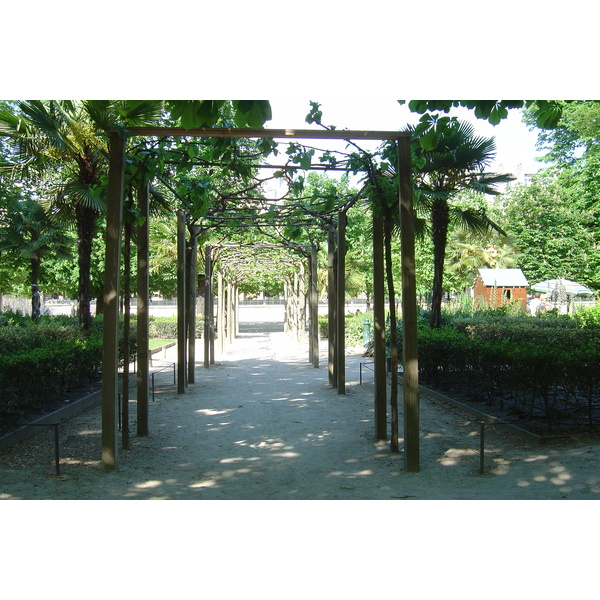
point(430, 140)
point(306, 159)
point(547, 114)
point(315, 114)
point(251, 113)
point(497, 114)
point(193, 151)
point(196, 113)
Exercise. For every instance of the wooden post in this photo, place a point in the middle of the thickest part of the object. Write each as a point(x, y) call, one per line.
point(211, 307)
point(379, 367)
point(331, 306)
point(126, 293)
point(143, 349)
point(110, 335)
point(286, 311)
point(192, 264)
point(409, 310)
point(341, 304)
point(236, 308)
point(295, 309)
point(181, 304)
point(230, 317)
point(314, 307)
point(302, 302)
point(207, 303)
point(220, 312)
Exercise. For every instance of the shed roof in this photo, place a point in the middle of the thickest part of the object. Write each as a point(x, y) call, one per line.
point(503, 277)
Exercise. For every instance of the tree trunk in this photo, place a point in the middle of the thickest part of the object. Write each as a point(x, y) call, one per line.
point(100, 304)
point(86, 224)
point(439, 221)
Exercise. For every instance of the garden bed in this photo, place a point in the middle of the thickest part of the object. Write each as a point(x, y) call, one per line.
point(570, 416)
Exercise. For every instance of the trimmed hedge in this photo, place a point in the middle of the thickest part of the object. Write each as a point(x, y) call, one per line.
point(39, 362)
point(538, 369)
point(166, 327)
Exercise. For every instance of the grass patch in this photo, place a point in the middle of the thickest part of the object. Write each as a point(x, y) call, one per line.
point(157, 343)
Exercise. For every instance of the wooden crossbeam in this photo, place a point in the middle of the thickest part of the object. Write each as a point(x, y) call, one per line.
point(305, 134)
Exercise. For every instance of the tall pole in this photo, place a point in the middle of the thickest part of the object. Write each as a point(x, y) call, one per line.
point(331, 306)
point(379, 330)
point(207, 303)
point(191, 285)
point(236, 308)
point(286, 310)
point(230, 308)
point(296, 308)
point(211, 323)
point(110, 335)
point(302, 301)
point(220, 313)
point(181, 304)
point(143, 351)
point(314, 307)
point(409, 310)
point(341, 304)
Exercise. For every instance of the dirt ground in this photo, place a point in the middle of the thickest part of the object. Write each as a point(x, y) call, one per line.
point(263, 424)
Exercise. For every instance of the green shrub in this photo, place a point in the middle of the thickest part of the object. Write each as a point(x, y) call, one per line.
point(587, 317)
point(41, 361)
point(166, 327)
point(323, 326)
point(540, 368)
point(354, 327)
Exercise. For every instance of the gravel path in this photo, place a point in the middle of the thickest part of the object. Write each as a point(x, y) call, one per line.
point(263, 424)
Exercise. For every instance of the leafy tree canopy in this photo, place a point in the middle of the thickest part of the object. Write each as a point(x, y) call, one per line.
point(551, 229)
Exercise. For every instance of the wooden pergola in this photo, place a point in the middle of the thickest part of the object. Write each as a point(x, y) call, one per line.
point(295, 295)
point(336, 353)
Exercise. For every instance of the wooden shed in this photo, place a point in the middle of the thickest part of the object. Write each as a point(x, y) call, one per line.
point(496, 287)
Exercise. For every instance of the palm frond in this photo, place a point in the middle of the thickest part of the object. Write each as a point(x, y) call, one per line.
point(139, 112)
point(100, 112)
point(159, 203)
point(12, 124)
point(107, 114)
point(486, 182)
point(474, 220)
point(83, 194)
point(43, 121)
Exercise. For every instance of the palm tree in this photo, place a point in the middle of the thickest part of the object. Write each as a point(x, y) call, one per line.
point(458, 162)
point(28, 231)
point(467, 252)
point(62, 140)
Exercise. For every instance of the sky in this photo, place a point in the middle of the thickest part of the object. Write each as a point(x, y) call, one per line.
point(515, 143)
